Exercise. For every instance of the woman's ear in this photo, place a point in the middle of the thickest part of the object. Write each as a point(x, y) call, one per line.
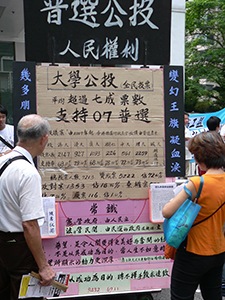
point(202, 166)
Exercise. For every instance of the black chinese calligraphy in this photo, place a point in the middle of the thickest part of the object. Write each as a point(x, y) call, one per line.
point(113, 31)
point(105, 118)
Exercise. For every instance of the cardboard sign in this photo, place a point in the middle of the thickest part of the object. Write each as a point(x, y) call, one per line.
point(107, 132)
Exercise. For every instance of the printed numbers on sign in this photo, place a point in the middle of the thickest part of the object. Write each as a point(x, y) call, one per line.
point(97, 116)
point(112, 289)
point(94, 290)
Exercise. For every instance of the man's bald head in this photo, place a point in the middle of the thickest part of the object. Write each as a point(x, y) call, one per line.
point(32, 128)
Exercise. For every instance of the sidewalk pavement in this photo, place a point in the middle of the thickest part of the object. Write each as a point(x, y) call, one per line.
point(165, 295)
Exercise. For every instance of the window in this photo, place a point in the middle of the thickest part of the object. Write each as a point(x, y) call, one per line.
point(7, 57)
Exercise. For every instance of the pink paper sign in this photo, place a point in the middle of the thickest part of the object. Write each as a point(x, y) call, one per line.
point(109, 247)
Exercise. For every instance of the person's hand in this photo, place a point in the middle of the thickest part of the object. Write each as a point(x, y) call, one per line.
point(47, 275)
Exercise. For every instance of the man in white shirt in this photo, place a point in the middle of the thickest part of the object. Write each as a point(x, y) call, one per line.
point(20, 209)
point(6, 132)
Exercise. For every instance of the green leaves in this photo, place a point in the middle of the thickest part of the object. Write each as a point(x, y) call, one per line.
point(205, 55)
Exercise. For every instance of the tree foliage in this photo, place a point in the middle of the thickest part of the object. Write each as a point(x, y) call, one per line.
point(205, 55)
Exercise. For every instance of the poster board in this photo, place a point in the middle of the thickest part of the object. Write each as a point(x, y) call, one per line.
point(107, 132)
point(159, 195)
point(50, 228)
point(105, 148)
point(174, 121)
point(109, 247)
point(24, 91)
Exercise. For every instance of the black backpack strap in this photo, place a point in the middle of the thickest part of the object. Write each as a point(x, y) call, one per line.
point(10, 161)
point(6, 143)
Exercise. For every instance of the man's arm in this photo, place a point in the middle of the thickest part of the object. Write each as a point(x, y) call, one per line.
point(33, 238)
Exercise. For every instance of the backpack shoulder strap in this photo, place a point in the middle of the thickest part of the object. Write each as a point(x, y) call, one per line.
point(6, 143)
point(6, 164)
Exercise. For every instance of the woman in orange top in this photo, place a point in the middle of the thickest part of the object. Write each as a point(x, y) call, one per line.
point(199, 259)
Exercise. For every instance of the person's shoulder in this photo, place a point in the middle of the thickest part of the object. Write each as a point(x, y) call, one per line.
point(22, 163)
point(222, 130)
point(196, 179)
point(27, 169)
point(9, 128)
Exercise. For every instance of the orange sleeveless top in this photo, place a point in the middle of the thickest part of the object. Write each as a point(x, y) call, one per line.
point(207, 238)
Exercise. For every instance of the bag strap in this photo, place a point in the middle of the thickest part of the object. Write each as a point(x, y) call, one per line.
point(210, 215)
point(6, 143)
point(198, 195)
point(199, 190)
point(10, 161)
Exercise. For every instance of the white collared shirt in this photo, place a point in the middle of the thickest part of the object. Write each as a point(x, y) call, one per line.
point(20, 192)
point(8, 134)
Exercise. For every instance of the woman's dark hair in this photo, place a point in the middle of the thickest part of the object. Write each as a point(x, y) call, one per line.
point(208, 148)
point(3, 110)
